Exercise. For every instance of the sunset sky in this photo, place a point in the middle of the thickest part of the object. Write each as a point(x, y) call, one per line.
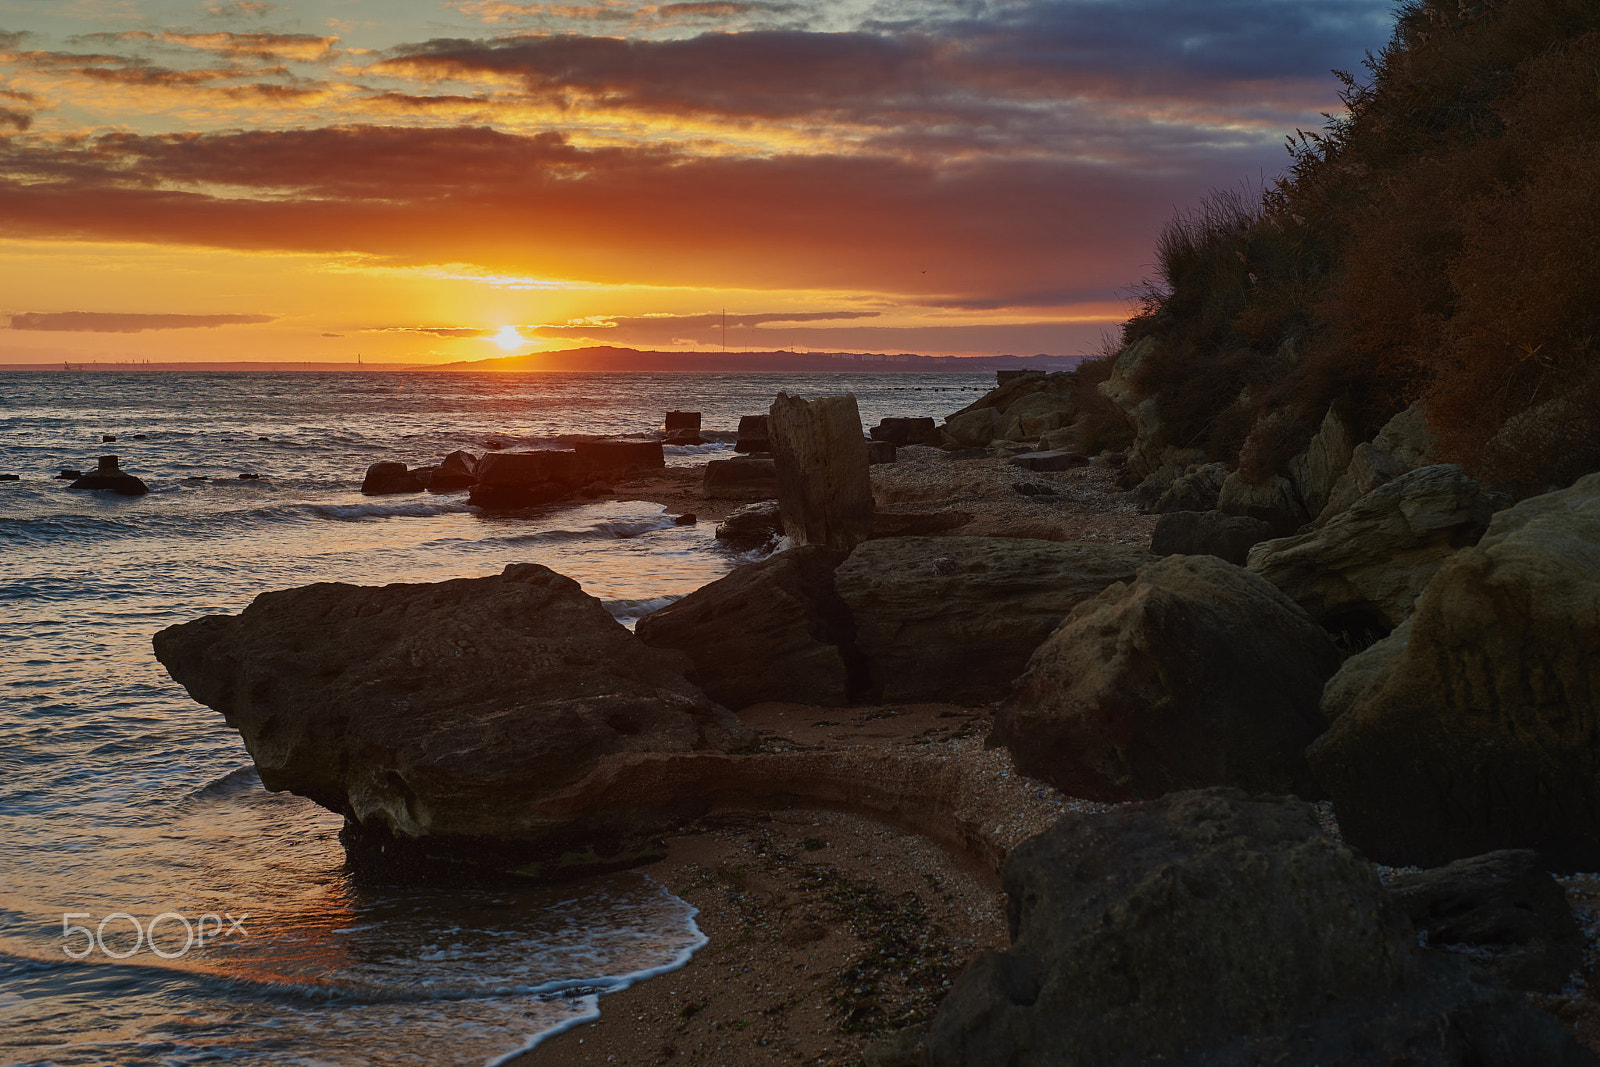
point(404, 179)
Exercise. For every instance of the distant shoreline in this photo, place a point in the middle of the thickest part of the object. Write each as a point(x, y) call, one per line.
point(602, 361)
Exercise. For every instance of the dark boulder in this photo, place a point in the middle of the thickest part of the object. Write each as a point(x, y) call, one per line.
point(461, 718)
point(906, 431)
point(741, 478)
point(1208, 533)
point(752, 434)
point(682, 420)
point(1197, 673)
point(1481, 731)
point(109, 477)
point(1212, 929)
point(751, 525)
point(390, 477)
point(964, 630)
point(527, 479)
point(1502, 910)
point(773, 630)
point(1197, 489)
point(458, 470)
point(881, 452)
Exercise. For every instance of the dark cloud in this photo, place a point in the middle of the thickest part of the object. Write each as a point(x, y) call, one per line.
point(117, 322)
point(242, 9)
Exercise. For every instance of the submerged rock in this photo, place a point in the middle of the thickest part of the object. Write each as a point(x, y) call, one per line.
point(390, 477)
point(457, 719)
point(109, 477)
point(1196, 673)
point(1212, 928)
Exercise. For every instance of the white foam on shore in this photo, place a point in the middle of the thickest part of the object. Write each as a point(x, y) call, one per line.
point(615, 984)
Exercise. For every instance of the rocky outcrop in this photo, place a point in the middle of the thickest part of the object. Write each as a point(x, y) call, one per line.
point(390, 477)
point(1035, 414)
point(1196, 673)
point(1197, 489)
point(1404, 443)
point(824, 488)
point(1482, 731)
point(972, 429)
point(1360, 671)
point(1208, 533)
point(607, 457)
point(455, 717)
point(1366, 565)
point(956, 618)
point(752, 435)
point(1316, 470)
point(1139, 411)
point(773, 630)
point(109, 476)
point(458, 470)
point(1214, 928)
point(1502, 910)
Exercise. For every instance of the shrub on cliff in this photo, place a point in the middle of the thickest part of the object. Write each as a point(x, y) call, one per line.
point(1436, 242)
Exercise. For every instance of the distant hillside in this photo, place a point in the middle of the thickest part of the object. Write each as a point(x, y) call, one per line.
point(1438, 244)
point(630, 360)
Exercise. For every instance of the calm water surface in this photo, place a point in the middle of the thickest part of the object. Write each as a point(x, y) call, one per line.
point(122, 801)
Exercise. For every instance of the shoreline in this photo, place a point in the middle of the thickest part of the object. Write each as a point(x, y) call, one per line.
point(827, 930)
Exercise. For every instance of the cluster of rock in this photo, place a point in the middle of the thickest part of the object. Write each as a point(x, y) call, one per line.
point(521, 479)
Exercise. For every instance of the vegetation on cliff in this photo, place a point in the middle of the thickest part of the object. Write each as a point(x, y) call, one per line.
point(1437, 243)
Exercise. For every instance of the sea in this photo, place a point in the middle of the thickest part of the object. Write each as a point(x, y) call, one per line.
point(157, 905)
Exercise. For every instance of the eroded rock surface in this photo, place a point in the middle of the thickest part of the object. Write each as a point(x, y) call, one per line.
point(1482, 731)
point(1196, 673)
point(451, 714)
point(1212, 928)
point(1368, 564)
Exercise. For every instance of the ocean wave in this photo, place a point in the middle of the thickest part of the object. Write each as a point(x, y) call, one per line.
point(631, 611)
point(416, 509)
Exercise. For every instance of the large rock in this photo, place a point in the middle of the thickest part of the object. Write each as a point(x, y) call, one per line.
point(449, 717)
point(773, 630)
point(1216, 930)
point(972, 429)
point(751, 525)
point(752, 435)
point(1035, 414)
point(1197, 673)
point(1208, 533)
point(1273, 501)
point(526, 479)
point(1363, 569)
point(956, 618)
point(1019, 385)
point(1197, 489)
point(109, 476)
point(906, 431)
point(390, 477)
point(1316, 470)
point(1404, 443)
point(458, 470)
point(1483, 731)
point(1501, 909)
point(607, 457)
point(748, 478)
point(824, 488)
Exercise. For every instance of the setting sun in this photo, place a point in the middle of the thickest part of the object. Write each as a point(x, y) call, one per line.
point(509, 338)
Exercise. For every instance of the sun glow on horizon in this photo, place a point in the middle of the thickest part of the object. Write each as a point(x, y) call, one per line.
point(509, 338)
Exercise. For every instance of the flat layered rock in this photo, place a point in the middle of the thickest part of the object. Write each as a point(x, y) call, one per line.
point(452, 715)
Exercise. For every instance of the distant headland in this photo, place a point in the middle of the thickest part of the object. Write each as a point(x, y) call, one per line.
point(611, 359)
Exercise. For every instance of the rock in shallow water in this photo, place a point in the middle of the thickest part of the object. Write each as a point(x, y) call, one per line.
point(458, 716)
point(1212, 928)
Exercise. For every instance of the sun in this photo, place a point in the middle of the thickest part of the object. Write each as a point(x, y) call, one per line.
point(509, 338)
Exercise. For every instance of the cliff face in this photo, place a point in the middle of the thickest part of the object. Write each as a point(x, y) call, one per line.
point(1432, 245)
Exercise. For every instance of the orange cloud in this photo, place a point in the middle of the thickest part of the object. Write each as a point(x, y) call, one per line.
point(116, 322)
